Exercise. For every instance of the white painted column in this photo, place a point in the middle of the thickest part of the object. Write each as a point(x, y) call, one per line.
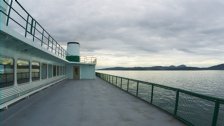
point(40, 71)
point(47, 71)
point(30, 67)
point(52, 70)
point(56, 70)
point(15, 72)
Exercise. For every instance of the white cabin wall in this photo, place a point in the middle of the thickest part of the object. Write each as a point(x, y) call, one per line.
point(69, 71)
point(87, 72)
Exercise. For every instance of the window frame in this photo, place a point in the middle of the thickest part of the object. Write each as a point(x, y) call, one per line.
point(27, 80)
point(36, 72)
point(13, 73)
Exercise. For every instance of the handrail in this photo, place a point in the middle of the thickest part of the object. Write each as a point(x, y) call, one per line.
point(88, 59)
point(179, 93)
point(32, 28)
point(36, 31)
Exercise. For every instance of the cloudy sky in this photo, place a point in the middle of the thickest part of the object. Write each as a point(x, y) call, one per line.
point(137, 32)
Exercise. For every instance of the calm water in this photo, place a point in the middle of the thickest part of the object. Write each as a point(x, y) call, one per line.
point(193, 109)
point(204, 82)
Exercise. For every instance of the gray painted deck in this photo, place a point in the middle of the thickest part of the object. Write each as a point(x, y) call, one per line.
point(84, 103)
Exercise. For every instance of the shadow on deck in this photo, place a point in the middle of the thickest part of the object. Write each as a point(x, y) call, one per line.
point(84, 103)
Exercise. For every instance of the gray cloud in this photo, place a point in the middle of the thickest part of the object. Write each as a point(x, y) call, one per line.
point(193, 28)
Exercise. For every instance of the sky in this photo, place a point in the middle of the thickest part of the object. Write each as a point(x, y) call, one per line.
point(133, 33)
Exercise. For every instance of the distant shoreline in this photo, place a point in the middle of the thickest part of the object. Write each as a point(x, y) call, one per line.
point(158, 70)
point(166, 68)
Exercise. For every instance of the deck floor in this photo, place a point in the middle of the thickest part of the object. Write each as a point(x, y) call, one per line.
point(84, 103)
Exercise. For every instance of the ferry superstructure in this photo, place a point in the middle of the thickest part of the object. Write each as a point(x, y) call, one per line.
point(31, 59)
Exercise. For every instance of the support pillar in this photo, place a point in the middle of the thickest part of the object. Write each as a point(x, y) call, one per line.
point(15, 72)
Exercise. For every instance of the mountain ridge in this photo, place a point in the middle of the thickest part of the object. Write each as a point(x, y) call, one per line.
point(172, 67)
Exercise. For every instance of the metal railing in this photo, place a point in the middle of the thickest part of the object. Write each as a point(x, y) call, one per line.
point(32, 29)
point(88, 59)
point(191, 108)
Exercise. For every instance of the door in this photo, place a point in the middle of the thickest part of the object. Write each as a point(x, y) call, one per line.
point(76, 73)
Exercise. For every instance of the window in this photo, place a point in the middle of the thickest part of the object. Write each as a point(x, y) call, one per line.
point(35, 71)
point(54, 70)
point(57, 70)
point(6, 72)
point(60, 70)
point(64, 70)
point(23, 71)
point(50, 70)
point(44, 71)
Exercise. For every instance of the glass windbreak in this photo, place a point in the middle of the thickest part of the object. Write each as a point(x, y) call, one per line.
point(23, 74)
point(6, 72)
point(35, 71)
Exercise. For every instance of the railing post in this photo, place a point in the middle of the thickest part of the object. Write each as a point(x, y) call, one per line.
point(128, 86)
point(116, 80)
point(121, 83)
point(34, 32)
point(111, 79)
point(48, 42)
point(52, 47)
point(177, 102)
point(31, 26)
point(152, 90)
point(42, 37)
point(137, 88)
point(27, 22)
point(56, 47)
point(216, 112)
point(9, 12)
point(108, 78)
point(58, 50)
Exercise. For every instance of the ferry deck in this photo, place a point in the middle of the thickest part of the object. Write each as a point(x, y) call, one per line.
point(41, 83)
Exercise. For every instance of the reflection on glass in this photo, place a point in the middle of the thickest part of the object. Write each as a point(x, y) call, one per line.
point(54, 70)
point(35, 71)
point(44, 71)
point(6, 72)
point(57, 70)
point(23, 74)
point(49, 70)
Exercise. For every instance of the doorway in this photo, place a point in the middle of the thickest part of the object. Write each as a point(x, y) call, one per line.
point(76, 72)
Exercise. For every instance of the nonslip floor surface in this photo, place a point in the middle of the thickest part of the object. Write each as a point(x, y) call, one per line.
point(84, 103)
